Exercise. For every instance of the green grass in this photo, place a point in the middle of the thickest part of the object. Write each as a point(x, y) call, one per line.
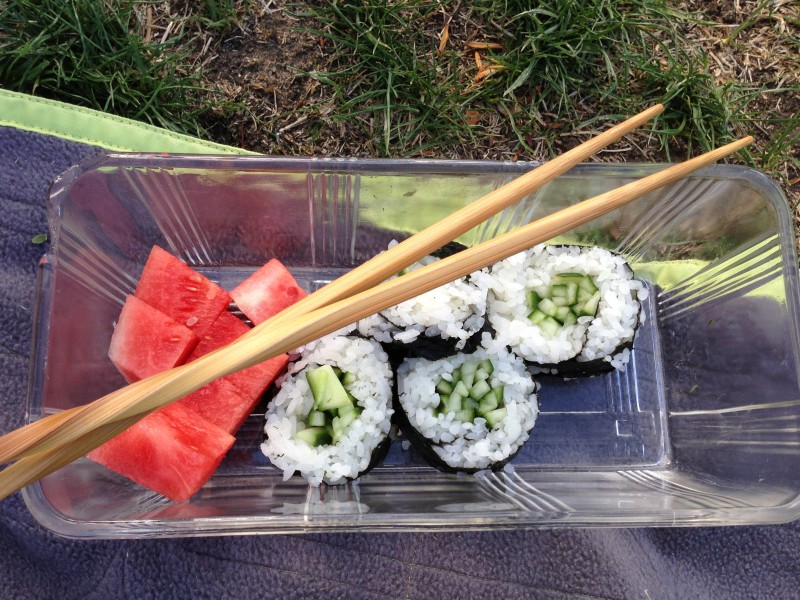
point(91, 53)
point(567, 65)
point(387, 81)
point(564, 67)
point(557, 58)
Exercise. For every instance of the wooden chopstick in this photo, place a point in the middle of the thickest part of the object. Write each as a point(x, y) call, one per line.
point(35, 466)
point(93, 426)
point(25, 440)
point(395, 259)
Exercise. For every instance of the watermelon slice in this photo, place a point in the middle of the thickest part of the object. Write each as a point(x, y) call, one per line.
point(170, 451)
point(226, 328)
point(267, 292)
point(252, 381)
point(174, 288)
point(220, 403)
point(175, 450)
point(146, 341)
point(228, 401)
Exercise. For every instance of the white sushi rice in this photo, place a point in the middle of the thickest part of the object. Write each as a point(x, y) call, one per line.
point(618, 314)
point(469, 445)
point(453, 311)
point(331, 463)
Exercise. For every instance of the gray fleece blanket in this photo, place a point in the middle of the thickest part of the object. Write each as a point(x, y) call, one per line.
point(735, 562)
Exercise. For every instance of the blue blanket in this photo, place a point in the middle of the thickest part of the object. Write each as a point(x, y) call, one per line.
point(734, 562)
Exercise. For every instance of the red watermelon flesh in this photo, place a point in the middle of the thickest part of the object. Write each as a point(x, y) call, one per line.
point(253, 381)
point(171, 451)
point(225, 329)
point(220, 403)
point(146, 341)
point(267, 292)
point(173, 287)
point(176, 449)
point(228, 401)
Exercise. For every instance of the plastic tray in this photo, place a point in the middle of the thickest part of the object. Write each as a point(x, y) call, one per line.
point(702, 428)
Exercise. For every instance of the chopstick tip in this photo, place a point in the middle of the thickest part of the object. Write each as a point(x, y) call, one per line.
point(739, 144)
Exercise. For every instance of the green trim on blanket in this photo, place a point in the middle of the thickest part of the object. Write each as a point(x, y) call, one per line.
point(114, 133)
point(96, 128)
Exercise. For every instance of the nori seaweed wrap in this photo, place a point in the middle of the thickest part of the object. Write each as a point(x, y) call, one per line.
point(467, 412)
point(567, 310)
point(437, 323)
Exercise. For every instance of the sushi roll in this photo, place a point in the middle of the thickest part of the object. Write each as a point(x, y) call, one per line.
point(331, 417)
point(467, 412)
point(436, 323)
point(569, 310)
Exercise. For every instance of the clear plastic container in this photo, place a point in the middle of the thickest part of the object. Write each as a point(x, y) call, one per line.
point(702, 428)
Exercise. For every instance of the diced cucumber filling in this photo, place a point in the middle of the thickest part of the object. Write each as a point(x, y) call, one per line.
point(533, 298)
point(334, 410)
point(444, 387)
point(328, 391)
point(469, 367)
point(453, 402)
point(316, 418)
point(568, 297)
point(493, 417)
point(587, 283)
point(550, 326)
point(562, 313)
point(479, 390)
point(548, 307)
point(564, 278)
point(349, 413)
point(488, 402)
point(314, 436)
point(561, 301)
point(465, 415)
point(537, 317)
point(461, 389)
point(590, 306)
point(572, 293)
point(570, 319)
point(473, 392)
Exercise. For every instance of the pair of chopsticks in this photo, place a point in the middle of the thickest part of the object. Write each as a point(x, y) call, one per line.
point(48, 444)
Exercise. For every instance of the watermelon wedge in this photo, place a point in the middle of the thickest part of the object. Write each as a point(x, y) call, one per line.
point(176, 449)
point(226, 328)
point(146, 341)
point(220, 403)
point(253, 381)
point(174, 288)
point(267, 292)
point(171, 451)
point(228, 401)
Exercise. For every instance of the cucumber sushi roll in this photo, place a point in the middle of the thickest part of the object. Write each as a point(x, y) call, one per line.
point(467, 412)
point(331, 417)
point(436, 323)
point(571, 310)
